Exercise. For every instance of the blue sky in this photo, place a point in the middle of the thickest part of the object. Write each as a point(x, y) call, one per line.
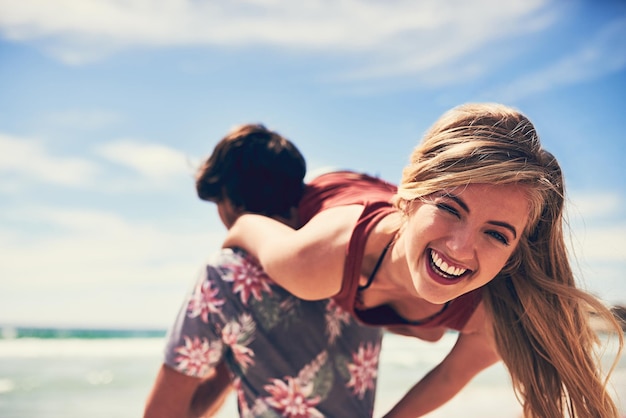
point(106, 108)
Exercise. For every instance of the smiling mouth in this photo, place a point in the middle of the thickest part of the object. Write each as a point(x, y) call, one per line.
point(444, 270)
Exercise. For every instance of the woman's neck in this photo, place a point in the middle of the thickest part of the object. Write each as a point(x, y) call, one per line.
point(392, 284)
point(382, 263)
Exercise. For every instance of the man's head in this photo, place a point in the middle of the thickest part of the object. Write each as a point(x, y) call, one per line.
point(253, 169)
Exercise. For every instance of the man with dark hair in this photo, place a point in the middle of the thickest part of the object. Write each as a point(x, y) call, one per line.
point(285, 356)
point(256, 170)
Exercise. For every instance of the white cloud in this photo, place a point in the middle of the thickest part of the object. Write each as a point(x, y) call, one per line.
point(153, 161)
point(597, 243)
point(601, 244)
point(407, 36)
point(598, 223)
point(453, 31)
point(96, 268)
point(603, 54)
point(83, 119)
point(25, 159)
point(92, 246)
point(594, 205)
point(606, 281)
point(31, 162)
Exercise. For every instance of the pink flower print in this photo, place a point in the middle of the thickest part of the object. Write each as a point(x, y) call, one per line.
point(248, 279)
point(364, 368)
point(196, 356)
point(243, 355)
point(238, 335)
point(241, 397)
point(204, 301)
point(292, 399)
point(335, 318)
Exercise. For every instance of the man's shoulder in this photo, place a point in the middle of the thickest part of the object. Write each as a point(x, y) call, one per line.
point(231, 256)
point(234, 270)
point(228, 258)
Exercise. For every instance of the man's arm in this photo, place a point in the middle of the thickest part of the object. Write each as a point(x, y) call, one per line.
point(175, 395)
point(212, 392)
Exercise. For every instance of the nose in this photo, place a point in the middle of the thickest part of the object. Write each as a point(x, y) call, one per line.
point(461, 244)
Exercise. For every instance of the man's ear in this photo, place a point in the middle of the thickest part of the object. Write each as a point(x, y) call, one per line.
point(228, 212)
point(238, 210)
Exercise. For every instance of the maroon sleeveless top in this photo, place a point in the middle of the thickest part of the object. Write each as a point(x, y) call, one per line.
point(345, 188)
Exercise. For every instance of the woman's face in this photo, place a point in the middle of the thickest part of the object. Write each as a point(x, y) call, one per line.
point(459, 239)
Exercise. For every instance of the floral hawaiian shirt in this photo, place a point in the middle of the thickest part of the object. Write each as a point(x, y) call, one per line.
point(288, 357)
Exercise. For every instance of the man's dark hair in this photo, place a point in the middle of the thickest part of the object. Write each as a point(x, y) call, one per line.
point(257, 169)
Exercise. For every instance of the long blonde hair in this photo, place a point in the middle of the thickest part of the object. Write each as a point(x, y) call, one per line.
point(541, 318)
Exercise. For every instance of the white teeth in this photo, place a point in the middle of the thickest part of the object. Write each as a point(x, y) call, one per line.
point(444, 267)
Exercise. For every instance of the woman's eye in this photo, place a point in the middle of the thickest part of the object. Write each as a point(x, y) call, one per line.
point(448, 209)
point(498, 236)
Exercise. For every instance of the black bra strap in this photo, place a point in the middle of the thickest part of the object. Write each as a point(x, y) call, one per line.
point(377, 266)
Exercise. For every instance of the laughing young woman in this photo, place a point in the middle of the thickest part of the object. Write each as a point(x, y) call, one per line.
point(471, 240)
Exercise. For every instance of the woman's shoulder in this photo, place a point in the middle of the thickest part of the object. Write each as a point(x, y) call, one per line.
point(342, 188)
point(350, 179)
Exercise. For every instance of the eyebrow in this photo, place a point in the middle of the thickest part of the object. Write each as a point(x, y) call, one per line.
point(464, 206)
point(505, 225)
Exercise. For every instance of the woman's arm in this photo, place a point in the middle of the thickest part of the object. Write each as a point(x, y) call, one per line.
point(473, 352)
point(307, 262)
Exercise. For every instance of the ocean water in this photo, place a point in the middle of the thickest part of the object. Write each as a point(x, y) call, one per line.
point(77, 374)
